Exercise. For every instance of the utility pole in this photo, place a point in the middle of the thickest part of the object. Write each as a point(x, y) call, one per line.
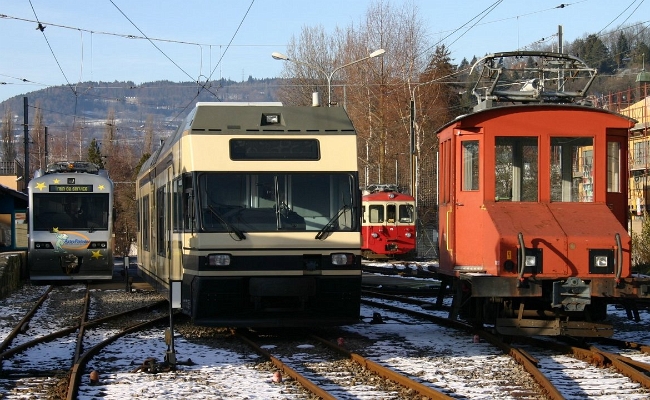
point(26, 142)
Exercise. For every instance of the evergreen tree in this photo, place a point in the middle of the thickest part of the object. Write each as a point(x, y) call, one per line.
point(622, 51)
point(596, 55)
point(95, 154)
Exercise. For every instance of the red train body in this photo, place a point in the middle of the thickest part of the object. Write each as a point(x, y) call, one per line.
point(388, 226)
point(533, 208)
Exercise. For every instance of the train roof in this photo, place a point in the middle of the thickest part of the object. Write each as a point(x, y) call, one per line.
point(385, 196)
point(476, 117)
point(219, 118)
point(71, 167)
point(235, 118)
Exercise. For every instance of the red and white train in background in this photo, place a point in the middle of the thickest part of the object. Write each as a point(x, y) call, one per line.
point(388, 228)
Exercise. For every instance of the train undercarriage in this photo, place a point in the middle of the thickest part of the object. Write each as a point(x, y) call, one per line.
point(544, 308)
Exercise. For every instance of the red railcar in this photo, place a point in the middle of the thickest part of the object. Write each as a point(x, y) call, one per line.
point(388, 226)
point(533, 201)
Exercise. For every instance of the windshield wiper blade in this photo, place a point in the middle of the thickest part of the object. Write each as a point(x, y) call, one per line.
point(231, 228)
point(329, 227)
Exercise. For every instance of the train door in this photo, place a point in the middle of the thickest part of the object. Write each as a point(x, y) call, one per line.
point(445, 208)
point(468, 201)
point(616, 195)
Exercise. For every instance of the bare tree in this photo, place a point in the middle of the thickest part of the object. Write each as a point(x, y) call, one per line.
point(148, 135)
point(8, 145)
point(37, 156)
point(375, 92)
point(110, 136)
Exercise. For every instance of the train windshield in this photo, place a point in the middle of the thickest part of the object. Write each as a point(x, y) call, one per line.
point(70, 211)
point(251, 202)
point(572, 161)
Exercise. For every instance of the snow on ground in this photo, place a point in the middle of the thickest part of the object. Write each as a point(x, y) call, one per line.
point(224, 374)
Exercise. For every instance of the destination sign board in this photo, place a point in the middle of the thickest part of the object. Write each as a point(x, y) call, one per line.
point(71, 188)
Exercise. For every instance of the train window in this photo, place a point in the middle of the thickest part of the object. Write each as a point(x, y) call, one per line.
point(470, 165)
point(188, 208)
point(78, 211)
point(516, 169)
point(572, 169)
point(406, 213)
point(390, 213)
point(145, 222)
point(161, 208)
point(177, 214)
point(613, 167)
point(376, 213)
point(259, 202)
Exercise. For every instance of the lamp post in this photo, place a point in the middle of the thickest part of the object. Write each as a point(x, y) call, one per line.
point(328, 75)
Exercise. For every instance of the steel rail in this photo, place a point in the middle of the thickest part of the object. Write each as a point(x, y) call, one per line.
point(384, 372)
point(20, 326)
point(521, 357)
point(306, 383)
point(79, 365)
point(71, 329)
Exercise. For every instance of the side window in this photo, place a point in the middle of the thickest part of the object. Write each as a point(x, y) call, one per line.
point(145, 222)
point(178, 205)
point(613, 167)
point(376, 213)
point(161, 207)
point(470, 165)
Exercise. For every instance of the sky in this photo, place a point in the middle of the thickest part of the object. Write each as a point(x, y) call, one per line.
point(190, 40)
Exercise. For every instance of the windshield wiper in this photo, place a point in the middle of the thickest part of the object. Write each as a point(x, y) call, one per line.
point(329, 227)
point(231, 228)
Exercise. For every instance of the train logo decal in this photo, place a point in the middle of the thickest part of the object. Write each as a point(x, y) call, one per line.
point(69, 240)
point(96, 254)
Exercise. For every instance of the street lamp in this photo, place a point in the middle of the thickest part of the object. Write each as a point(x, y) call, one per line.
point(280, 56)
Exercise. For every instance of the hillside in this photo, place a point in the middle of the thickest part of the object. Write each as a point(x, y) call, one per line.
point(88, 104)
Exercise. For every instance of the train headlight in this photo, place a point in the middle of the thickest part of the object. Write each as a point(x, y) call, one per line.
point(43, 245)
point(600, 261)
point(375, 235)
point(408, 234)
point(218, 260)
point(97, 245)
point(531, 261)
point(342, 259)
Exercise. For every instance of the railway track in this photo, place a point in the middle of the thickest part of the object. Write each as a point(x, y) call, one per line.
point(46, 352)
point(562, 370)
point(330, 371)
point(453, 362)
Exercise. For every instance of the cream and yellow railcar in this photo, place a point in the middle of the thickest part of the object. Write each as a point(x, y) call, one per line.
point(255, 209)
